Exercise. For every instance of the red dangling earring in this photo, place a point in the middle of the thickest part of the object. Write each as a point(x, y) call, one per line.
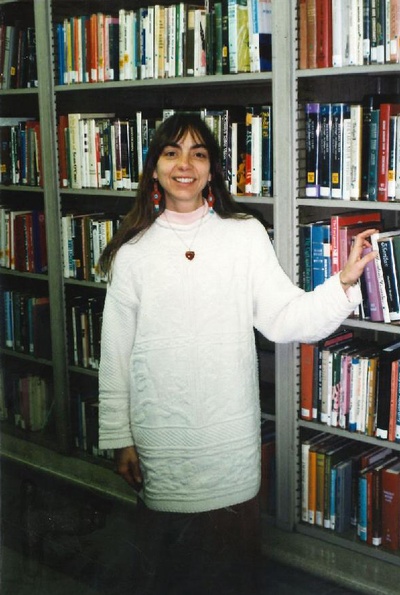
point(155, 196)
point(210, 199)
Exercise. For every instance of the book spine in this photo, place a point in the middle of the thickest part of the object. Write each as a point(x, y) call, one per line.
point(325, 150)
point(324, 33)
point(312, 115)
point(385, 247)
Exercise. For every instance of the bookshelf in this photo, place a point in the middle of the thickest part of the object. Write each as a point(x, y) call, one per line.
point(287, 88)
point(328, 85)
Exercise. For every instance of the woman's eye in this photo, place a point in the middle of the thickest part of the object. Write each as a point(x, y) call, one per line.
point(201, 155)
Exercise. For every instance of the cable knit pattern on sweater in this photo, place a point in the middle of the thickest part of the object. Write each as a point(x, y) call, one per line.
point(178, 373)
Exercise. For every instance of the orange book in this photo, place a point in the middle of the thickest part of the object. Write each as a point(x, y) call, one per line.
point(93, 49)
point(311, 33)
point(307, 351)
point(302, 16)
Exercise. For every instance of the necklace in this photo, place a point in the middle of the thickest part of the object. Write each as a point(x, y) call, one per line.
point(190, 253)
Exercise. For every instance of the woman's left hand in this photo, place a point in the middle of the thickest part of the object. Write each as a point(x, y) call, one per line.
point(356, 263)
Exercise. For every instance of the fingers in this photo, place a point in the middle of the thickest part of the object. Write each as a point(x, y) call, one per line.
point(128, 466)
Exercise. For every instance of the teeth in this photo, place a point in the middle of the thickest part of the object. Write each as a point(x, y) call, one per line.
point(184, 180)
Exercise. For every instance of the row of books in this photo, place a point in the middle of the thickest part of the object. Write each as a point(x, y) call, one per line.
point(351, 384)
point(18, 66)
point(25, 321)
point(348, 33)
point(84, 239)
point(325, 244)
point(102, 151)
point(348, 485)
point(85, 319)
point(20, 152)
point(85, 424)
point(25, 400)
point(324, 249)
point(353, 150)
point(23, 245)
point(229, 37)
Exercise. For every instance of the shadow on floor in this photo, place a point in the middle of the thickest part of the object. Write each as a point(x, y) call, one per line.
point(60, 540)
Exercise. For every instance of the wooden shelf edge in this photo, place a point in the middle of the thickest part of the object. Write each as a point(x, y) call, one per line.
point(80, 472)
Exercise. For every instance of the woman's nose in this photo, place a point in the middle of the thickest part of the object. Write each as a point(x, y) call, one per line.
point(184, 160)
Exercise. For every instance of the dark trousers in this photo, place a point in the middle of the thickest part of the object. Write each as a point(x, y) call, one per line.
point(208, 553)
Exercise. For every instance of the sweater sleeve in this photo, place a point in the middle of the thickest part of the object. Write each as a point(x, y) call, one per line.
point(117, 338)
point(283, 312)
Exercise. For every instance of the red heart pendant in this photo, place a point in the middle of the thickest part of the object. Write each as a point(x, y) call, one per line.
point(189, 254)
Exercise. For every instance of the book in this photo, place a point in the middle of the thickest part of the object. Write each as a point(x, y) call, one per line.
point(340, 138)
point(386, 110)
point(340, 220)
point(341, 520)
point(312, 115)
point(391, 507)
point(388, 354)
point(307, 375)
point(323, 33)
point(389, 271)
point(372, 289)
point(340, 33)
point(303, 42)
point(374, 532)
point(311, 13)
point(356, 118)
point(325, 150)
point(305, 448)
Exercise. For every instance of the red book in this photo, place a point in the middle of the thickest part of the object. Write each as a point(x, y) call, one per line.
point(391, 507)
point(386, 110)
point(343, 219)
point(62, 130)
point(324, 33)
point(307, 351)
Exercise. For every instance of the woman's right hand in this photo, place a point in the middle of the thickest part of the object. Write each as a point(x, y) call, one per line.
point(128, 466)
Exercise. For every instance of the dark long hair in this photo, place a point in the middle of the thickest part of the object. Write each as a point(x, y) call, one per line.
point(142, 214)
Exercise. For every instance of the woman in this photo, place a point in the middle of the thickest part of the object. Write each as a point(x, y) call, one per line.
point(190, 279)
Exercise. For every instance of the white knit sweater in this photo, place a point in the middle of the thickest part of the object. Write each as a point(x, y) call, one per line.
point(178, 373)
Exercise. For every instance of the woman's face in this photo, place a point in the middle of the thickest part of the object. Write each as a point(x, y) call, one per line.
point(183, 170)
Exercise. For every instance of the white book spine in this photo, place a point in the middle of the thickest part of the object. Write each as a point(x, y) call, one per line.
point(172, 56)
point(356, 112)
point(346, 161)
point(121, 43)
point(397, 174)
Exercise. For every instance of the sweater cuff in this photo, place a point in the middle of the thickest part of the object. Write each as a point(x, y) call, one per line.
point(353, 292)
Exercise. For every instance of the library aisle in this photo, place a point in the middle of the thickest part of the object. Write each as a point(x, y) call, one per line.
point(60, 540)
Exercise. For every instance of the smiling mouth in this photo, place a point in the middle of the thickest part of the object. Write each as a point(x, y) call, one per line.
point(184, 180)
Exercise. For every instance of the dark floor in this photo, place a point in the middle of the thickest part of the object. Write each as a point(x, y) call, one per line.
point(57, 540)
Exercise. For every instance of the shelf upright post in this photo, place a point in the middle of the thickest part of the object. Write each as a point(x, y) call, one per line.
point(284, 110)
point(52, 208)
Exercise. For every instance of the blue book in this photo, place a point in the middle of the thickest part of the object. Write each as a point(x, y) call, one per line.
point(343, 492)
point(321, 250)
